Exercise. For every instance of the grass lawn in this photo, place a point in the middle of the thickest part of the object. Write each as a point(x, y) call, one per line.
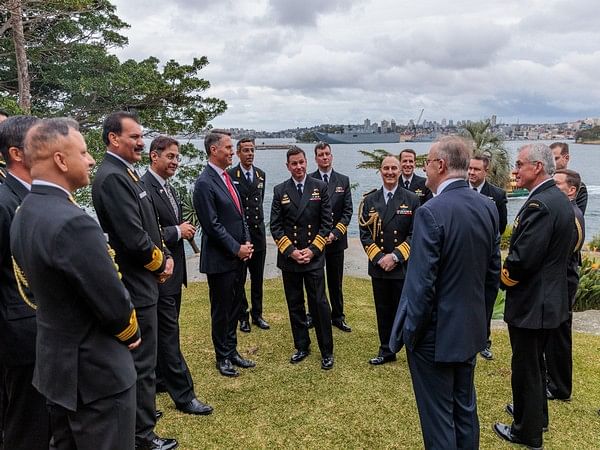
point(355, 405)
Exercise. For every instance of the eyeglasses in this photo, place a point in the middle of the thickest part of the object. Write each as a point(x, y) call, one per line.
point(520, 164)
point(429, 161)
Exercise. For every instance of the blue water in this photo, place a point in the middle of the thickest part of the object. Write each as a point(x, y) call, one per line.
point(584, 158)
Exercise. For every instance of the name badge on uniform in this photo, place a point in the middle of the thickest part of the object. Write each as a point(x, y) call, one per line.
point(143, 194)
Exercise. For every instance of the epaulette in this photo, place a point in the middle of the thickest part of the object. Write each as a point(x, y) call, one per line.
point(535, 205)
point(370, 192)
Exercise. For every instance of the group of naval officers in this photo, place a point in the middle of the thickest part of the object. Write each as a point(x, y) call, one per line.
point(104, 297)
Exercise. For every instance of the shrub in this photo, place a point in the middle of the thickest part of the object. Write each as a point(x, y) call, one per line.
point(505, 238)
point(594, 244)
point(588, 293)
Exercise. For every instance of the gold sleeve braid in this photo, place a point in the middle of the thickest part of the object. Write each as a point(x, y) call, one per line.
point(283, 243)
point(404, 248)
point(157, 260)
point(343, 228)
point(320, 242)
point(130, 330)
point(505, 278)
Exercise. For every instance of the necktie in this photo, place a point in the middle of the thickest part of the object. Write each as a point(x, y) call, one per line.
point(389, 197)
point(406, 184)
point(248, 177)
point(299, 186)
point(232, 191)
point(325, 178)
point(171, 198)
point(474, 189)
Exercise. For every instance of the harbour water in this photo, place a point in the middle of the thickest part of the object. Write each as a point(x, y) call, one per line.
point(584, 158)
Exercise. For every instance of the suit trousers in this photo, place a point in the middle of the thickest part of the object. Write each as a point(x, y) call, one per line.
point(559, 360)
point(224, 310)
point(446, 399)
point(256, 267)
point(171, 364)
point(528, 382)
point(386, 293)
point(104, 424)
point(144, 358)
point(26, 419)
point(334, 268)
point(314, 282)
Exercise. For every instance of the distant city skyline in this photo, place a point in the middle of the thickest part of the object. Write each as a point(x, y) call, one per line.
point(282, 63)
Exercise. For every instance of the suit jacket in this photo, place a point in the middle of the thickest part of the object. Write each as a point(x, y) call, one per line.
point(253, 196)
point(224, 227)
point(453, 272)
point(17, 319)
point(126, 213)
point(300, 222)
point(85, 316)
point(499, 197)
point(417, 185)
point(387, 228)
point(340, 198)
point(534, 272)
point(168, 222)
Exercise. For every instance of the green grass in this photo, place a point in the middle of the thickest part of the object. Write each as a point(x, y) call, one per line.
point(355, 405)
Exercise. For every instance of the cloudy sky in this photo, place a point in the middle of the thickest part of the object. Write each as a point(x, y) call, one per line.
point(287, 63)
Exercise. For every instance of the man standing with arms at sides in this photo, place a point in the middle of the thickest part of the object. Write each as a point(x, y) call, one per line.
point(386, 224)
point(560, 151)
point(452, 273)
point(171, 365)
point(340, 198)
point(410, 180)
point(250, 182)
point(26, 421)
point(126, 213)
point(559, 348)
point(300, 224)
point(537, 300)
point(478, 170)
point(86, 324)
point(225, 248)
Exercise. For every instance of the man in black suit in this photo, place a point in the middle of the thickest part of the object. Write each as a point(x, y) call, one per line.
point(26, 422)
point(300, 224)
point(86, 324)
point(250, 182)
point(340, 198)
point(558, 353)
point(126, 213)
point(225, 248)
point(171, 365)
point(452, 273)
point(386, 225)
point(560, 150)
point(537, 301)
point(410, 180)
point(478, 170)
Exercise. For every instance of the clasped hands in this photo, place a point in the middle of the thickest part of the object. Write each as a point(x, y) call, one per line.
point(246, 250)
point(165, 274)
point(387, 263)
point(303, 256)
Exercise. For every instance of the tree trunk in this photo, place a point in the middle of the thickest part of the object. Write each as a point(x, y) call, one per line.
point(16, 18)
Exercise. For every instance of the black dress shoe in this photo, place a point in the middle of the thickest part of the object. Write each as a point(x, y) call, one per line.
point(309, 322)
point(327, 363)
point(379, 360)
point(510, 410)
point(237, 360)
point(261, 323)
point(504, 432)
point(487, 354)
point(226, 368)
point(195, 406)
point(551, 396)
point(157, 443)
point(245, 326)
point(159, 414)
point(342, 325)
point(299, 355)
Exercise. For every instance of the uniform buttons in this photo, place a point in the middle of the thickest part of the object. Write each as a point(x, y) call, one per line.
point(256, 217)
point(309, 226)
point(255, 226)
point(309, 241)
point(381, 240)
point(395, 231)
point(256, 208)
point(381, 232)
point(295, 227)
point(256, 199)
point(381, 247)
point(395, 240)
point(295, 234)
point(309, 233)
point(295, 242)
point(247, 217)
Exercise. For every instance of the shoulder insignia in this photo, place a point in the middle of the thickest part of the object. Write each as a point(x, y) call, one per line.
point(132, 175)
point(533, 205)
point(370, 192)
point(238, 173)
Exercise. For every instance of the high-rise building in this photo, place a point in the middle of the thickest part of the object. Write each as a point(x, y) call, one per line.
point(444, 123)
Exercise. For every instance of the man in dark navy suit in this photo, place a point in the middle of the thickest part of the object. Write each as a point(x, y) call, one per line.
point(250, 182)
point(171, 365)
point(560, 150)
point(225, 247)
point(478, 170)
point(411, 181)
point(26, 420)
point(452, 270)
point(340, 197)
point(537, 301)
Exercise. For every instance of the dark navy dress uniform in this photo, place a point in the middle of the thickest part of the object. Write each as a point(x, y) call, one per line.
point(417, 185)
point(26, 421)
point(298, 223)
point(387, 228)
point(85, 320)
point(126, 213)
point(340, 197)
point(252, 195)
